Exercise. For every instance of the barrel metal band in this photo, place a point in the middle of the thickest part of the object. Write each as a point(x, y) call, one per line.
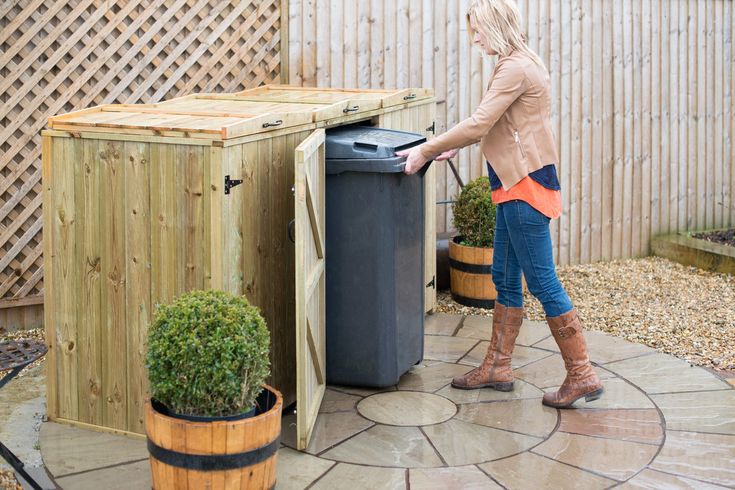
point(475, 303)
point(471, 268)
point(213, 462)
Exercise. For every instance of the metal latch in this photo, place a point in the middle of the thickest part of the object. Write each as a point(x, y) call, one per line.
point(432, 128)
point(432, 283)
point(230, 183)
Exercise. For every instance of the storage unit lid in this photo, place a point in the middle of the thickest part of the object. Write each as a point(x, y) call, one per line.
point(223, 116)
point(314, 110)
point(367, 149)
point(291, 93)
point(182, 121)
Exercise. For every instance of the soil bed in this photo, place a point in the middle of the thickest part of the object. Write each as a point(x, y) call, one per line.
point(723, 237)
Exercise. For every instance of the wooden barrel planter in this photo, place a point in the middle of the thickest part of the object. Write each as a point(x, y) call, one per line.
point(470, 275)
point(215, 452)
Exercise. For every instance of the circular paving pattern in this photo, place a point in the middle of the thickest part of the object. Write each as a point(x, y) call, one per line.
point(425, 423)
point(406, 408)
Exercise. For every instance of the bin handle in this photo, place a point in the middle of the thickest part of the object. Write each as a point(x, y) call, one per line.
point(421, 172)
point(275, 123)
point(351, 109)
point(410, 97)
point(291, 229)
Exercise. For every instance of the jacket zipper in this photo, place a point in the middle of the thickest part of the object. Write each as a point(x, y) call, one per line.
point(518, 142)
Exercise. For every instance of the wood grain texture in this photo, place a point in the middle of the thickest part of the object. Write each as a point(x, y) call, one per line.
point(642, 104)
point(138, 272)
point(92, 403)
point(310, 283)
point(471, 285)
point(214, 438)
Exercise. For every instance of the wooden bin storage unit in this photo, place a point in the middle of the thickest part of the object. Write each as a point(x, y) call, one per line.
point(137, 210)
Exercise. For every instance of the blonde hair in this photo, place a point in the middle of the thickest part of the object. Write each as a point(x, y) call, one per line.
point(500, 22)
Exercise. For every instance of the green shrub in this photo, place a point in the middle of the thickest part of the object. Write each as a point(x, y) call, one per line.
point(207, 354)
point(474, 214)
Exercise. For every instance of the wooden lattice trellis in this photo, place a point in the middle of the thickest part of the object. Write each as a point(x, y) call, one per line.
point(59, 56)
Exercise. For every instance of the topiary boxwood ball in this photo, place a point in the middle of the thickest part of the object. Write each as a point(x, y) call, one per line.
point(474, 214)
point(207, 354)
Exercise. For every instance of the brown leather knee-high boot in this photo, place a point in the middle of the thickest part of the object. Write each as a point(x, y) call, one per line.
point(495, 371)
point(581, 380)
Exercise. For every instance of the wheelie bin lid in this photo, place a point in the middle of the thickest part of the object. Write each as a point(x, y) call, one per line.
point(367, 149)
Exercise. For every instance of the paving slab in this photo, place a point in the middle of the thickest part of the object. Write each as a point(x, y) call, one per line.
point(662, 373)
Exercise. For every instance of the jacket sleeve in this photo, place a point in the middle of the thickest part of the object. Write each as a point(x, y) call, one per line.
point(507, 85)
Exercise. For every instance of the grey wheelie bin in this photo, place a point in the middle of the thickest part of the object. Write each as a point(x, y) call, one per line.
point(375, 257)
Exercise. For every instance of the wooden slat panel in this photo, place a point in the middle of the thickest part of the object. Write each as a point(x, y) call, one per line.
point(163, 225)
point(702, 117)
point(645, 128)
point(640, 94)
point(91, 401)
point(655, 141)
point(667, 62)
point(50, 319)
point(136, 158)
point(64, 299)
point(112, 270)
point(728, 80)
point(595, 154)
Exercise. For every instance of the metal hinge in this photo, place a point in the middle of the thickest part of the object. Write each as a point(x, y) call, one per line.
point(230, 183)
point(432, 283)
point(432, 128)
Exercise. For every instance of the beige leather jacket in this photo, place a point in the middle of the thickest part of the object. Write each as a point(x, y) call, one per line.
point(512, 123)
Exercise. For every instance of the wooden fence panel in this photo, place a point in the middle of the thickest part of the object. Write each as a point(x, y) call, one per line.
point(59, 56)
point(642, 101)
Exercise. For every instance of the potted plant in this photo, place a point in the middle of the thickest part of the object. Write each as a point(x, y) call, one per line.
point(210, 421)
point(470, 252)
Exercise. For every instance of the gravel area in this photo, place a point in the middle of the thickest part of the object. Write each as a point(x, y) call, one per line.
point(8, 481)
point(680, 310)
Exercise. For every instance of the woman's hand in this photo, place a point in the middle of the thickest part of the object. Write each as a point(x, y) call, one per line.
point(446, 155)
point(414, 161)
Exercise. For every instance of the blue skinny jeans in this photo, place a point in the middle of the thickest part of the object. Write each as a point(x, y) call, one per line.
point(523, 245)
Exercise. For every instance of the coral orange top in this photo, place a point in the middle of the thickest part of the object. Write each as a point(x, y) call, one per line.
point(546, 201)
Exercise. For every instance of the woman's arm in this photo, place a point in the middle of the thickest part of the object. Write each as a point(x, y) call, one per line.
point(507, 85)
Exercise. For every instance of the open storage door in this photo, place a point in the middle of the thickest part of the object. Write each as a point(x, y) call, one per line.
point(310, 283)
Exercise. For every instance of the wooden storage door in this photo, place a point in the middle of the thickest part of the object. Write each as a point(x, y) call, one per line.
point(125, 230)
point(258, 258)
point(310, 283)
point(420, 119)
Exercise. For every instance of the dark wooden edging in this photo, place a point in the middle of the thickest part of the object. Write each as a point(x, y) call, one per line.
point(682, 248)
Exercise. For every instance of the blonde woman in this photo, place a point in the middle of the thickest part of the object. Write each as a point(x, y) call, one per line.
point(513, 126)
